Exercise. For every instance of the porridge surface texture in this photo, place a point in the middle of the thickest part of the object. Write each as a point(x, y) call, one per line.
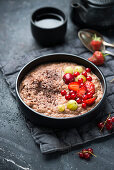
point(41, 90)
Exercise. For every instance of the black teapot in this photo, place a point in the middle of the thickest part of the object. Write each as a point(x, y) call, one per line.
point(97, 14)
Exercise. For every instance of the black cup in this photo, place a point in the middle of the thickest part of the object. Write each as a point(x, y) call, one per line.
point(48, 35)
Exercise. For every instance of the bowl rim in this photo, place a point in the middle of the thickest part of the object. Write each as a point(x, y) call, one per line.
point(61, 118)
point(48, 7)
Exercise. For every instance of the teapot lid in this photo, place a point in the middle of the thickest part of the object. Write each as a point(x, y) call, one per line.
point(100, 2)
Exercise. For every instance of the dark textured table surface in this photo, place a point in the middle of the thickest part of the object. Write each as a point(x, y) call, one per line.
point(17, 148)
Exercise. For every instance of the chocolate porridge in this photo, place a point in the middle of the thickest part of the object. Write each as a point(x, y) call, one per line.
point(41, 90)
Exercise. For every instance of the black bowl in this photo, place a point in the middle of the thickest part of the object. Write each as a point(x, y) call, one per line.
point(40, 119)
point(47, 34)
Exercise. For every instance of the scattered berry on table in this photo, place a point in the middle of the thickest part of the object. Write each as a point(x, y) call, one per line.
point(109, 126)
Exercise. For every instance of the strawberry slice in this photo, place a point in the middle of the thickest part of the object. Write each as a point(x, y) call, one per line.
point(81, 92)
point(74, 86)
point(90, 87)
point(89, 102)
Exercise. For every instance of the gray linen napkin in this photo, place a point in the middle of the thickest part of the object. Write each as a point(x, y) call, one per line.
point(52, 140)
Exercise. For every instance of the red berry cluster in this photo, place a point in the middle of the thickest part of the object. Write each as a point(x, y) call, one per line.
point(86, 153)
point(71, 95)
point(108, 123)
point(78, 90)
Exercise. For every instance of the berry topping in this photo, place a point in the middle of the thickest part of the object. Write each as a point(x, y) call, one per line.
point(76, 74)
point(79, 77)
point(90, 87)
point(67, 97)
point(79, 101)
point(84, 73)
point(68, 69)
point(88, 70)
point(68, 78)
point(85, 97)
point(80, 80)
point(63, 92)
point(89, 95)
point(89, 78)
point(74, 86)
point(82, 84)
point(71, 92)
point(78, 69)
point(81, 92)
point(83, 105)
point(72, 105)
point(81, 155)
point(73, 96)
point(89, 102)
point(61, 108)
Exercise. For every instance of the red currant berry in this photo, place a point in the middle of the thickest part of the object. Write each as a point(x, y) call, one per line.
point(84, 105)
point(109, 120)
point(100, 125)
point(82, 84)
point(84, 150)
point(80, 80)
point(112, 119)
point(84, 73)
point(88, 70)
point(67, 97)
point(90, 150)
point(79, 101)
point(68, 78)
point(76, 74)
point(81, 155)
point(73, 96)
point(85, 97)
point(89, 78)
point(109, 126)
point(89, 95)
point(72, 92)
point(87, 155)
point(63, 92)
